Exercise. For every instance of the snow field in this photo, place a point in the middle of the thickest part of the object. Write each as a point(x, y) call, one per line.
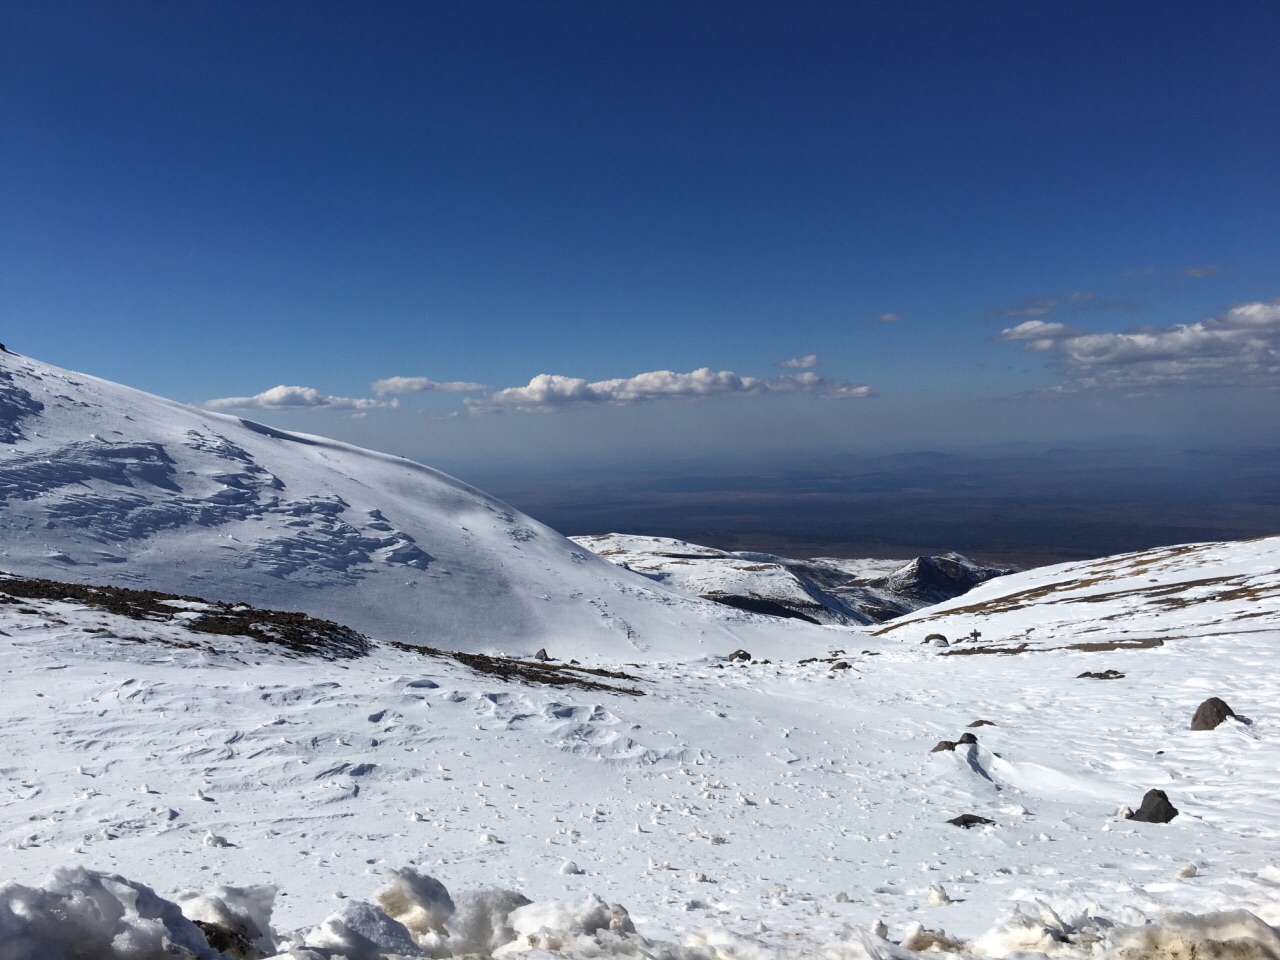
point(761, 807)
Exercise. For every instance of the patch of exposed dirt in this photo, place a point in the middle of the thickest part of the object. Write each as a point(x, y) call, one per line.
point(297, 633)
point(550, 673)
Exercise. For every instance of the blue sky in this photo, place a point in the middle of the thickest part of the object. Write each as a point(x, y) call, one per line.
point(527, 210)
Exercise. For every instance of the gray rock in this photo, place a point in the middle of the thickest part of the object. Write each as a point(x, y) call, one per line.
point(739, 655)
point(1211, 713)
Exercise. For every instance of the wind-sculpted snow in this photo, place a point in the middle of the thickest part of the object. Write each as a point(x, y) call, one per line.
point(93, 474)
point(16, 404)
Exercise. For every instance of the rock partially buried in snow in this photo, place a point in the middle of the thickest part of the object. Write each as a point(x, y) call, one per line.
point(983, 723)
point(542, 654)
point(1211, 713)
point(968, 820)
point(965, 740)
point(938, 896)
point(1100, 675)
point(228, 942)
point(739, 655)
point(1155, 808)
point(1187, 872)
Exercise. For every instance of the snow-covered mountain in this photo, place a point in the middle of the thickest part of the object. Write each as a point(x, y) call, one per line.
point(103, 483)
point(818, 591)
point(954, 781)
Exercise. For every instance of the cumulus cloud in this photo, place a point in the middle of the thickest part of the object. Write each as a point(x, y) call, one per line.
point(1240, 347)
point(400, 385)
point(295, 398)
point(889, 318)
point(800, 363)
point(1035, 330)
point(548, 392)
point(852, 391)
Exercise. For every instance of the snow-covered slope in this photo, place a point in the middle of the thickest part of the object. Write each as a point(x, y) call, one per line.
point(735, 809)
point(102, 483)
point(1144, 599)
point(820, 591)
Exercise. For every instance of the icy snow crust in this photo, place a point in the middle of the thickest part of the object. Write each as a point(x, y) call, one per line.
point(735, 809)
point(102, 483)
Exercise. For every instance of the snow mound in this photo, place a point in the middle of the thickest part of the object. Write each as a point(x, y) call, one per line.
point(80, 913)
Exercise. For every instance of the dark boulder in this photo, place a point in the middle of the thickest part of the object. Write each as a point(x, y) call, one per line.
point(228, 942)
point(944, 745)
point(966, 738)
point(968, 820)
point(1155, 808)
point(840, 665)
point(542, 654)
point(983, 723)
point(739, 655)
point(1101, 675)
point(1211, 713)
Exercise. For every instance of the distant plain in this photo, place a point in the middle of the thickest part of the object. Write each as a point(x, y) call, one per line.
point(1017, 505)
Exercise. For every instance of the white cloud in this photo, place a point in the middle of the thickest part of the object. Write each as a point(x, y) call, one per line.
point(399, 385)
point(295, 398)
point(889, 318)
point(1036, 330)
point(1240, 347)
point(800, 363)
point(548, 392)
point(855, 391)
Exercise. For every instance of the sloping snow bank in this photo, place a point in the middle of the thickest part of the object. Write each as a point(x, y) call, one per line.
point(80, 914)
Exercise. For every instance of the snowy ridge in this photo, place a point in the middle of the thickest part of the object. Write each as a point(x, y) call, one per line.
point(820, 591)
point(102, 483)
point(1139, 599)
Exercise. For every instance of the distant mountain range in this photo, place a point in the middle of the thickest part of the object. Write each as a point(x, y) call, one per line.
point(824, 590)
